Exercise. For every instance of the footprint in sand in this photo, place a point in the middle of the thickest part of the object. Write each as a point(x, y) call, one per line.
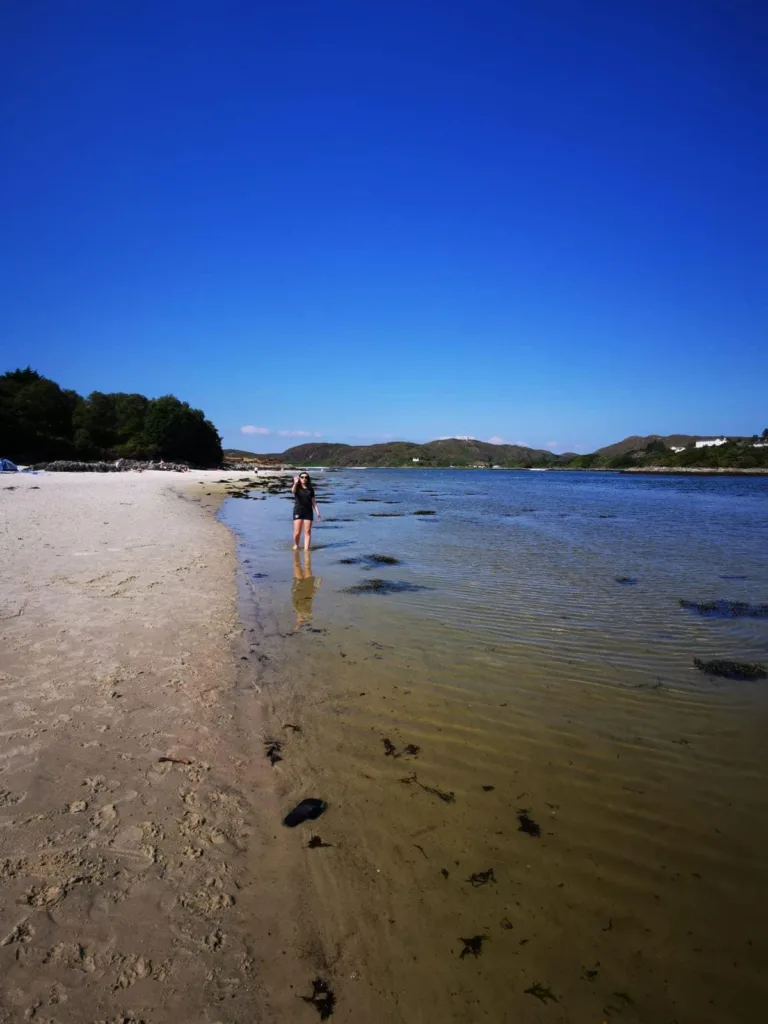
point(44, 895)
point(8, 799)
point(22, 932)
point(132, 969)
point(105, 816)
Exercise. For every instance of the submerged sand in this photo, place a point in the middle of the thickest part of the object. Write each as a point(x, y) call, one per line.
point(127, 887)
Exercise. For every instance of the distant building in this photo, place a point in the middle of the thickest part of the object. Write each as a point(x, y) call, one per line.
point(674, 449)
point(415, 460)
point(712, 443)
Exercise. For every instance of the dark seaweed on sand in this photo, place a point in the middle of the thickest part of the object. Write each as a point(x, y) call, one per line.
point(528, 825)
point(382, 559)
point(629, 581)
point(378, 586)
point(273, 749)
point(472, 946)
point(448, 798)
point(732, 669)
point(315, 842)
point(541, 992)
point(425, 512)
point(390, 750)
point(482, 878)
point(322, 998)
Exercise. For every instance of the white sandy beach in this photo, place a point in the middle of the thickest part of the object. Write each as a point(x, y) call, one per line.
point(125, 890)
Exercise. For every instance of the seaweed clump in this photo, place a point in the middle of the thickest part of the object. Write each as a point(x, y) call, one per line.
point(727, 609)
point(322, 998)
point(378, 586)
point(528, 825)
point(749, 670)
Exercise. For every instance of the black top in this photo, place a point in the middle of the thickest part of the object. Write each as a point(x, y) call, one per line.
point(304, 496)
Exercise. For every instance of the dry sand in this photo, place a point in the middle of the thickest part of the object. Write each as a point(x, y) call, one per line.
point(139, 879)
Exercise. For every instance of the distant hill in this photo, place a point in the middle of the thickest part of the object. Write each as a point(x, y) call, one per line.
point(635, 451)
point(448, 452)
point(639, 444)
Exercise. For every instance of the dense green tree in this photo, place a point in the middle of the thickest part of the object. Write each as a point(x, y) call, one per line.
point(40, 422)
point(175, 431)
point(94, 424)
point(35, 417)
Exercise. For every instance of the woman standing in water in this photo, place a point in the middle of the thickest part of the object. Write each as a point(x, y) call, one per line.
point(304, 509)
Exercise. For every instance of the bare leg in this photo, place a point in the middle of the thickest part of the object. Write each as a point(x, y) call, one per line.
point(307, 533)
point(296, 533)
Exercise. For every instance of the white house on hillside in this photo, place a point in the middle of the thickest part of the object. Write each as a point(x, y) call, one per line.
point(713, 443)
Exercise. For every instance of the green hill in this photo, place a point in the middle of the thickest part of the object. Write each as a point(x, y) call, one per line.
point(449, 452)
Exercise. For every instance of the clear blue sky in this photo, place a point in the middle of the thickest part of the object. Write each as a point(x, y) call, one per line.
point(542, 221)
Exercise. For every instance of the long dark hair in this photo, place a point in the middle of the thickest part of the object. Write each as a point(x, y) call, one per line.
point(308, 485)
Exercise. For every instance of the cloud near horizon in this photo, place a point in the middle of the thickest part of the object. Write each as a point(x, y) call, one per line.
point(265, 431)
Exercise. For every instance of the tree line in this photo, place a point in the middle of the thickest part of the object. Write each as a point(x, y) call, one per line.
point(41, 422)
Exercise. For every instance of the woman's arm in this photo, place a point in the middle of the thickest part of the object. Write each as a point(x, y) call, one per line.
point(295, 485)
point(316, 509)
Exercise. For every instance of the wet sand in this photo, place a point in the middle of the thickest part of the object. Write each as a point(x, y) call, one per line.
point(641, 897)
point(139, 879)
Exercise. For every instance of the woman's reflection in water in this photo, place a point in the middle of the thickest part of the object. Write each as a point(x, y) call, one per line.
point(305, 586)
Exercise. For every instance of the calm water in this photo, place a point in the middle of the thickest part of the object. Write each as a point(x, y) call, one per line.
point(530, 560)
point(527, 678)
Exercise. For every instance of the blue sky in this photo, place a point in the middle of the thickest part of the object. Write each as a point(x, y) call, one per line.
point(543, 222)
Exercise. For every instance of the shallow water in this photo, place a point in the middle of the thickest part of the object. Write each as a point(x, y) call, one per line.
point(518, 662)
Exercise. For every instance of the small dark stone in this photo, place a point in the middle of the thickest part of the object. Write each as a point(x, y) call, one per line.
point(444, 872)
point(307, 810)
point(627, 580)
point(488, 789)
point(390, 750)
point(425, 512)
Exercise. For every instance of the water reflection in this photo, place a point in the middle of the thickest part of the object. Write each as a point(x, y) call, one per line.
point(305, 586)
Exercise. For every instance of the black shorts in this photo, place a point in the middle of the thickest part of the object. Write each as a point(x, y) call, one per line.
point(299, 513)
